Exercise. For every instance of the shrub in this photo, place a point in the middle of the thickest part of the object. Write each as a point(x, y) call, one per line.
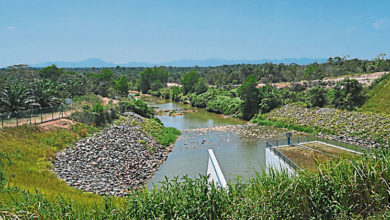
point(83, 130)
point(225, 105)
point(97, 116)
point(136, 106)
point(164, 136)
point(97, 108)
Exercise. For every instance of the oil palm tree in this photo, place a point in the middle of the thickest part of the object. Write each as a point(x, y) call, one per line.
point(45, 93)
point(16, 97)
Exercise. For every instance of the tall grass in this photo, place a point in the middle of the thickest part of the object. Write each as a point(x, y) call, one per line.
point(30, 152)
point(344, 189)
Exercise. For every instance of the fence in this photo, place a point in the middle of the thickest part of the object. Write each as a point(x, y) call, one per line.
point(303, 139)
point(282, 156)
point(34, 116)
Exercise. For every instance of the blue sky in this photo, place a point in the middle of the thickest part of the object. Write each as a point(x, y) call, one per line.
point(120, 31)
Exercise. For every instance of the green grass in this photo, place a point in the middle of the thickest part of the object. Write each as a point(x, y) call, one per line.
point(379, 97)
point(260, 120)
point(30, 152)
point(163, 135)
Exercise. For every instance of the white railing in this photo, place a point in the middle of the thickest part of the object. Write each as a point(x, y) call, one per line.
point(214, 171)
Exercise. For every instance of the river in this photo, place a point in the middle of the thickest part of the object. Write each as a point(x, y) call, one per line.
point(239, 146)
point(239, 153)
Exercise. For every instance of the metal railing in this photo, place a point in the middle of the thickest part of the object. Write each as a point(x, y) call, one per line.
point(304, 139)
point(34, 116)
point(283, 157)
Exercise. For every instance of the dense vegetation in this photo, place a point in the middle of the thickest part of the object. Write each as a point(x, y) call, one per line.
point(32, 88)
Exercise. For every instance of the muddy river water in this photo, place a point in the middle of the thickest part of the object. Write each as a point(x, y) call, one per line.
point(239, 147)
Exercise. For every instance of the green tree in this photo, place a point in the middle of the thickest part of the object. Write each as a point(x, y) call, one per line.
point(269, 97)
point(250, 95)
point(45, 93)
point(122, 86)
point(175, 93)
point(51, 72)
point(106, 75)
point(189, 81)
point(159, 73)
point(316, 97)
point(201, 86)
point(145, 80)
point(16, 97)
point(347, 94)
point(156, 85)
point(312, 71)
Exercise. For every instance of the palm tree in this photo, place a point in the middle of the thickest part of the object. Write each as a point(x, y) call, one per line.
point(45, 93)
point(16, 97)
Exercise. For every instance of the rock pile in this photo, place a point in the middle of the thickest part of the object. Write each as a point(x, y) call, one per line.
point(119, 159)
point(362, 128)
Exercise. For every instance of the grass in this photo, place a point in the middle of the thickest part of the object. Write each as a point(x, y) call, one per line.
point(330, 150)
point(379, 97)
point(305, 158)
point(260, 120)
point(163, 135)
point(30, 152)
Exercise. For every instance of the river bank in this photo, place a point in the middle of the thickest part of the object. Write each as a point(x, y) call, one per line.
point(326, 123)
point(120, 158)
point(360, 128)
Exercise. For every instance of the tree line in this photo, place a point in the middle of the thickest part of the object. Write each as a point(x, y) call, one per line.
point(34, 87)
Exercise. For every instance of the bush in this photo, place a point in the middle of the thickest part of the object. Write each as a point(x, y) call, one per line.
point(97, 116)
point(225, 105)
point(164, 136)
point(136, 106)
point(97, 108)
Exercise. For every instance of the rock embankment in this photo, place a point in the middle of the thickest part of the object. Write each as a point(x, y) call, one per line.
point(118, 159)
point(369, 129)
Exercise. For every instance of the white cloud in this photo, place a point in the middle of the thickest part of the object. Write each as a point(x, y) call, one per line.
point(381, 24)
point(11, 27)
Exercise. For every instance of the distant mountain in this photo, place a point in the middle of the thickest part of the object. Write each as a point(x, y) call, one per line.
point(98, 63)
point(92, 62)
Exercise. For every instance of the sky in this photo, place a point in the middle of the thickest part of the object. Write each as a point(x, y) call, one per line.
point(120, 31)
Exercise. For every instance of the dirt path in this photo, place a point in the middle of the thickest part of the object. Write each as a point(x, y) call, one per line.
point(106, 100)
point(63, 123)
